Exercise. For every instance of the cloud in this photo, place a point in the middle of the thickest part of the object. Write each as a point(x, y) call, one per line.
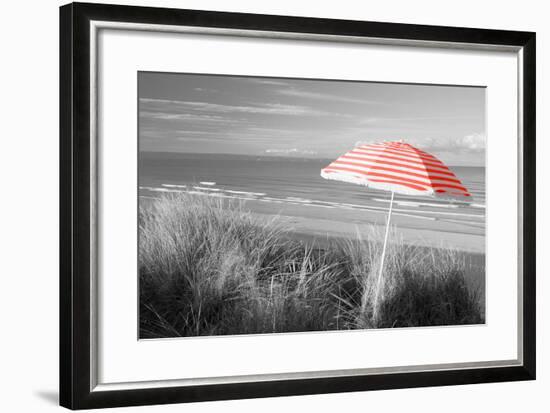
point(224, 136)
point(166, 105)
point(475, 142)
point(294, 110)
point(472, 143)
point(407, 120)
point(293, 151)
point(219, 133)
point(188, 117)
point(268, 82)
point(325, 96)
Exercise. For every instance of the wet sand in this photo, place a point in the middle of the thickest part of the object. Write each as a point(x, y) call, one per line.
point(322, 223)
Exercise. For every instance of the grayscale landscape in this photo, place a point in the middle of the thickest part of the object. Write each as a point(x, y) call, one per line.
point(239, 233)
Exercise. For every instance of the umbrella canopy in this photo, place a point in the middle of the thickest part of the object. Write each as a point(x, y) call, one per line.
point(397, 167)
point(400, 168)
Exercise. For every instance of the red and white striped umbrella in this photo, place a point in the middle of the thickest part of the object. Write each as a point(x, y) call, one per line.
point(397, 167)
point(400, 168)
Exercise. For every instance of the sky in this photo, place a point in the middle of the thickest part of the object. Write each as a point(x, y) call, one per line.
point(306, 118)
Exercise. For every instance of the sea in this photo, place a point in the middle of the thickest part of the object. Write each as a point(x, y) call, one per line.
point(293, 186)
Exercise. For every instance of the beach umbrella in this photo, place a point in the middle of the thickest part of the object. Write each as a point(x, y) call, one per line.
point(397, 167)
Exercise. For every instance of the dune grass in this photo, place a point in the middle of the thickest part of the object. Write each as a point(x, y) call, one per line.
point(207, 266)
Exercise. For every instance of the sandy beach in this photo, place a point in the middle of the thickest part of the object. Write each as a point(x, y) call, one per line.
point(320, 224)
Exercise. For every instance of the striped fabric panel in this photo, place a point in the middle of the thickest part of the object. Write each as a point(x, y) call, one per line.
point(399, 167)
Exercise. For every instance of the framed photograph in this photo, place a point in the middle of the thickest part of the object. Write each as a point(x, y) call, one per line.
point(258, 206)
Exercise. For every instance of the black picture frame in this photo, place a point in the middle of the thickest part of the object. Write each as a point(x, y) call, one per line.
point(76, 221)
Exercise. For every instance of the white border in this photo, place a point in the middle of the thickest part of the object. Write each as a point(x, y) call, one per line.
point(104, 348)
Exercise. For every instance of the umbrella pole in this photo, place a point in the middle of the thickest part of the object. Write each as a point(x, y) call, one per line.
point(381, 269)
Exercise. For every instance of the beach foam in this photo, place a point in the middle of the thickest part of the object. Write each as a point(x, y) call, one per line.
point(201, 188)
point(244, 193)
point(299, 200)
point(418, 204)
point(174, 186)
